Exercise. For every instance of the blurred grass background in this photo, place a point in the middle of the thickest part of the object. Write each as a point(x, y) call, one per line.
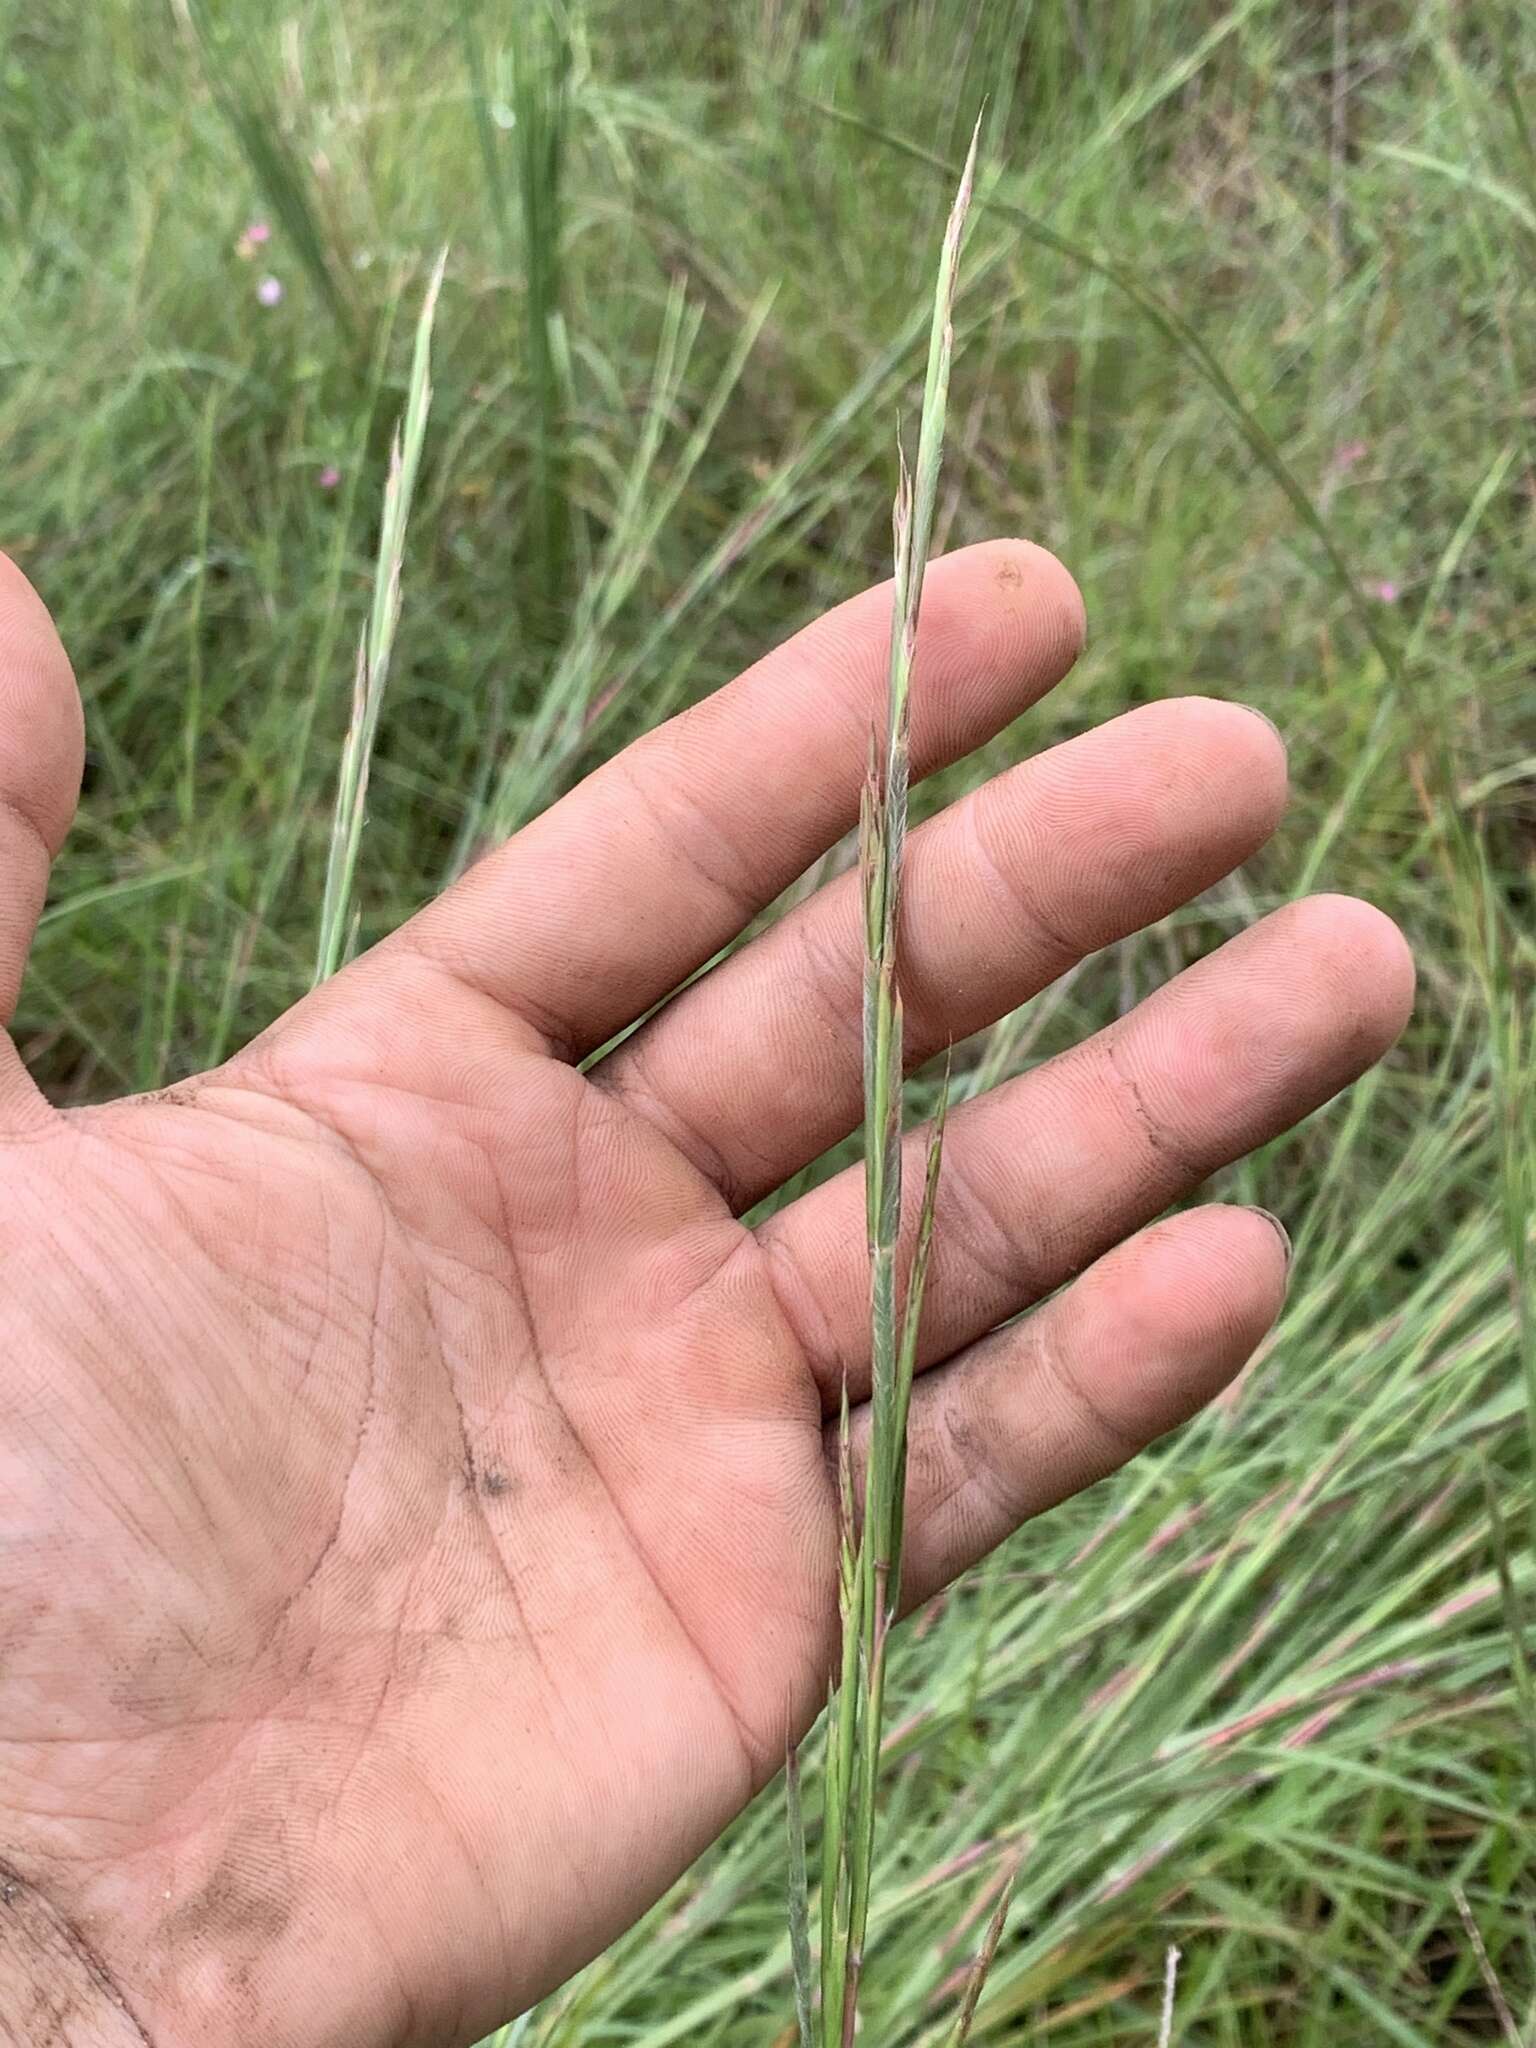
point(1264, 1696)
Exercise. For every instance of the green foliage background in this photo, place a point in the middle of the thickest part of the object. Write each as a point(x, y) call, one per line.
point(1260, 1696)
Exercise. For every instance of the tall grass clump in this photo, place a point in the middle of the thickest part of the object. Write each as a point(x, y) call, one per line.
point(869, 1574)
point(537, 112)
point(241, 85)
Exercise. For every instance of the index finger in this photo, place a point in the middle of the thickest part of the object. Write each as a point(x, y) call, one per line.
point(608, 901)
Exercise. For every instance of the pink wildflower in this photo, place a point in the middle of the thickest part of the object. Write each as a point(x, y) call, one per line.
point(329, 477)
point(1385, 592)
point(270, 291)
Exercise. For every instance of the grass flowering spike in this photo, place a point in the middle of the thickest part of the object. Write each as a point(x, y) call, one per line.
point(337, 918)
point(869, 1570)
point(799, 1902)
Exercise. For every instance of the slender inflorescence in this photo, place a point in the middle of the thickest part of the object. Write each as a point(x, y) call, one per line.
point(869, 1576)
point(375, 649)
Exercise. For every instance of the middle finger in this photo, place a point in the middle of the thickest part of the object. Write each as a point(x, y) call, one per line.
point(756, 1069)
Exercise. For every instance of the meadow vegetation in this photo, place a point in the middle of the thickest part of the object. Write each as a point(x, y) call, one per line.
point(1245, 333)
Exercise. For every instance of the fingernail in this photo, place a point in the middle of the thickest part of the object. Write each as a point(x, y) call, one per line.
point(1280, 1231)
point(1279, 735)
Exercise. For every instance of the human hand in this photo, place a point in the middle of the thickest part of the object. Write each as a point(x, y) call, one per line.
point(418, 1529)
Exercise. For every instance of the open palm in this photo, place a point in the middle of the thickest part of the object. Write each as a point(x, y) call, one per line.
point(414, 1502)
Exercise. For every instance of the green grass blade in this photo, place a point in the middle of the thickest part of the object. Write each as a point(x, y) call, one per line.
point(799, 1900)
point(542, 60)
point(486, 138)
point(976, 1979)
point(1514, 204)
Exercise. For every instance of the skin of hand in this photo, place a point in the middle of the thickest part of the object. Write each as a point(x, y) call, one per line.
point(415, 1505)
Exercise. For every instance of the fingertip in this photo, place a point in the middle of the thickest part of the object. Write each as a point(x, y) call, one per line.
point(1226, 758)
point(1364, 963)
point(1190, 1298)
point(1253, 747)
point(1247, 1255)
point(1140, 1341)
point(41, 722)
point(1002, 622)
point(1033, 583)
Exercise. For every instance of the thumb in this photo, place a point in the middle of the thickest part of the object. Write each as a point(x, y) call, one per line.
point(41, 754)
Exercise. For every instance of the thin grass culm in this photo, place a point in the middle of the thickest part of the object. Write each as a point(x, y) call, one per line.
point(869, 1575)
point(375, 648)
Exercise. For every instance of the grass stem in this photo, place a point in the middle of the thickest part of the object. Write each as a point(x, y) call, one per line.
point(869, 1578)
